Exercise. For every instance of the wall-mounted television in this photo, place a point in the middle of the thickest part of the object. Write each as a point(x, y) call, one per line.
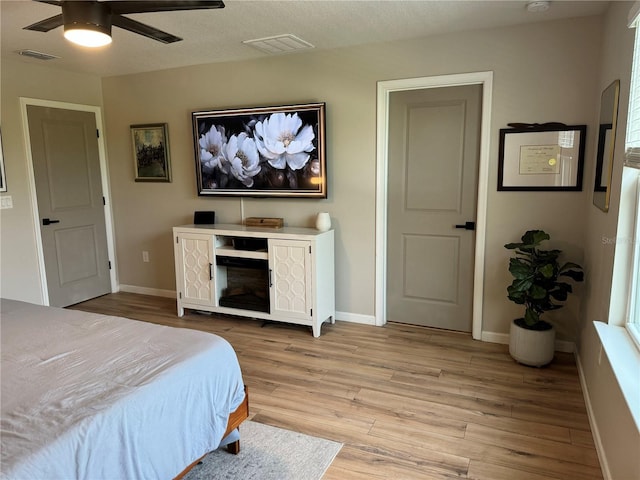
point(262, 151)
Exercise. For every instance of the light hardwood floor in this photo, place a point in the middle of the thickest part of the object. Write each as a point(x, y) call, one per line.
point(407, 402)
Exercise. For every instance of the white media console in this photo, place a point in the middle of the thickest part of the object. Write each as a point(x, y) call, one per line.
point(279, 274)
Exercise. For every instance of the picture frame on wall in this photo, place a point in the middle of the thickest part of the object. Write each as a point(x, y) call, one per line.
point(261, 151)
point(150, 144)
point(541, 158)
point(3, 178)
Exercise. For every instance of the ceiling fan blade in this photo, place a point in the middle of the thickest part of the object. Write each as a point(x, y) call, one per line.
point(144, 6)
point(142, 29)
point(46, 25)
point(115, 8)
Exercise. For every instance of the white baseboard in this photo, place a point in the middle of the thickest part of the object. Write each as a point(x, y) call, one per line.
point(493, 337)
point(156, 292)
point(503, 338)
point(565, 346)
point(606, 473)
point(356, 318)
point(342, 316)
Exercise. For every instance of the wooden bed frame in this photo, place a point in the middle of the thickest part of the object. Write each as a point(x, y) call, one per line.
point(235, 419)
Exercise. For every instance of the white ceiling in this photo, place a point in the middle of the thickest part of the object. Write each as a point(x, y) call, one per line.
point(217, 35)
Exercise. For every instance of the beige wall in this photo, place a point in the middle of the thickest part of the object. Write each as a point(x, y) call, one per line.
point(20, 274)
point(544, 72)
point(614, 423)
point(599, 244)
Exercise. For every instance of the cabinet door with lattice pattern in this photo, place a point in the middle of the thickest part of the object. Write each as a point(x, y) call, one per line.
point(290, 278)
point(195, 269)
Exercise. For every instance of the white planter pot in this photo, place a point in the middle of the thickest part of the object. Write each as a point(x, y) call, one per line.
point(531, 347)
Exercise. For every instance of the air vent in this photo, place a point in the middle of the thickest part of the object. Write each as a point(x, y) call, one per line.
point(279, 44)
point(38, 55)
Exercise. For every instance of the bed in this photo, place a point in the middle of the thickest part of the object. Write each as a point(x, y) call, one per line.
point(90, 396)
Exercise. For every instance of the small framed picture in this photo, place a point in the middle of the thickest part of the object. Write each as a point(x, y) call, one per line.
point(151, 152)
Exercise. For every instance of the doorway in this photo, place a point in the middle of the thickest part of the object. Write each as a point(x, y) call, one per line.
point(385, 91)
point(434, 140)
point(70, 199)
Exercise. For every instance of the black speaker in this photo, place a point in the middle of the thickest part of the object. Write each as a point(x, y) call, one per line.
point(200, 218)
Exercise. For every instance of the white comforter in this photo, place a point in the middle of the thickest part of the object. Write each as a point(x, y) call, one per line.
point(88, 396)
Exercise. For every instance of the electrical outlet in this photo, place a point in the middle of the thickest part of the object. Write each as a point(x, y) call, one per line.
point(6, 201)
point(145, 256)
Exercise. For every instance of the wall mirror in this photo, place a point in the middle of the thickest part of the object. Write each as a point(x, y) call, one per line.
point(606, 144)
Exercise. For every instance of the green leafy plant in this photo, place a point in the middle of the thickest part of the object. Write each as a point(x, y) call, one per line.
point(538, 279)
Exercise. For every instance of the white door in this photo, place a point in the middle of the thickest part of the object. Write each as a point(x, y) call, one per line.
point(195, 269)
point(66, 164)
point(434, 142)
point(290, 278)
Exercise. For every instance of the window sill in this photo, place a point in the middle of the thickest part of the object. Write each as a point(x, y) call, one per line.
point(624, 357)
point(634, 333)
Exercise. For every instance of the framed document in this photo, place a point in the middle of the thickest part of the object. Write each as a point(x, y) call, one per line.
point(541, 157)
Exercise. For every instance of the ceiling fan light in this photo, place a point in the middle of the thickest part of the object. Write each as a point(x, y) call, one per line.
point(86, 36)
point(87, 23)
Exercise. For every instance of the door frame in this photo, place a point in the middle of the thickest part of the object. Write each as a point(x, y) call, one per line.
point(385, 88)
point(104, 175)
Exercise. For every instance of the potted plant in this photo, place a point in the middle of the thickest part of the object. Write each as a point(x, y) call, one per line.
point(538, 285)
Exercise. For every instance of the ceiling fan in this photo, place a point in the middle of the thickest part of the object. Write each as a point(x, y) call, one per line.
point(82, 18)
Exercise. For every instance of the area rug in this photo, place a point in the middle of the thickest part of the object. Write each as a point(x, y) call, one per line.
point(268, 452)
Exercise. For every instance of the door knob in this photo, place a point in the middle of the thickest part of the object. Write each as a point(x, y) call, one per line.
point(467, 226)
point(46, 221)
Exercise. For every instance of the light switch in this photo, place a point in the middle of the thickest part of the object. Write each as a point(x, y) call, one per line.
point(6, 201)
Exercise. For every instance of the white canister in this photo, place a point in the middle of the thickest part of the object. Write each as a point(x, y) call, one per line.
point(323, 221)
